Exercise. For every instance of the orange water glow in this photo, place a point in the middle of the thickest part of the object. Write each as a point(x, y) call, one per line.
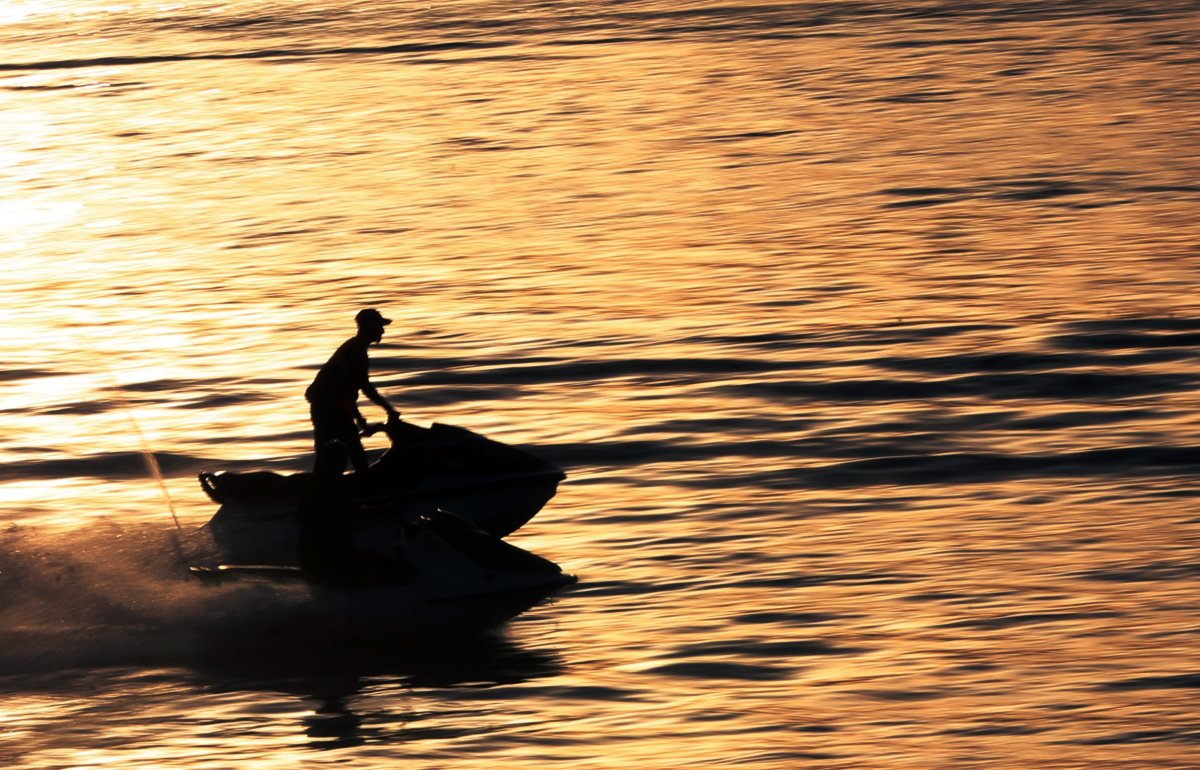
point(869, 357)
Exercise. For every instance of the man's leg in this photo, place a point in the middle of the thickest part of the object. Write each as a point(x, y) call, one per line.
point(339, 427)
point(358, 455)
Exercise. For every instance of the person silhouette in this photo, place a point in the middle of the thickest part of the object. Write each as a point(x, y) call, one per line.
point(333, 394)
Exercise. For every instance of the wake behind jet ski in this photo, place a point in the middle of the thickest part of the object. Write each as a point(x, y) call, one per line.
point(496, 487)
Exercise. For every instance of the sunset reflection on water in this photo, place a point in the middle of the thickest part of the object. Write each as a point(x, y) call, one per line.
point(865, 335)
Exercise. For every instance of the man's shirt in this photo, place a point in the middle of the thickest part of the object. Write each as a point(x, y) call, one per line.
point(342, 377)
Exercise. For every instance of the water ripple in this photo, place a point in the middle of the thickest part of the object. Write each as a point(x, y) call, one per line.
point(269, 53)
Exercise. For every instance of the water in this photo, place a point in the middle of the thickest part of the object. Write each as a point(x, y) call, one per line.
point(866, 333)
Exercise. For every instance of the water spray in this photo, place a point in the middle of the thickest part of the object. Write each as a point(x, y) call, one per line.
point(151, 465)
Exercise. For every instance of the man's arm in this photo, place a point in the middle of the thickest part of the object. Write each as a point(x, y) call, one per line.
point(369, 391)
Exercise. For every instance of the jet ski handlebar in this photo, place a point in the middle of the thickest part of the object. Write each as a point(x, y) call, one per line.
point(371, 428)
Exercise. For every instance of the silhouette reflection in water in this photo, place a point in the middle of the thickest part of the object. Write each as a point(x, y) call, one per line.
point(332, 680)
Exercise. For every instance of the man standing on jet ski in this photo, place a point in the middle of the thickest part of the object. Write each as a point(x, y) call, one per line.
point(333, 394)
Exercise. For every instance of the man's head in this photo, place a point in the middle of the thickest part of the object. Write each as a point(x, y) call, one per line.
point(370, 324)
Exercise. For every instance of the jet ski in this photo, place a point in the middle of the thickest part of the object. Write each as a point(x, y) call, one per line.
point(442, 574)
point(496, 487)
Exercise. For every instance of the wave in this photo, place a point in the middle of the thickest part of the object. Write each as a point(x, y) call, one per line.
point(482, 372)
point(479, 28)
point(124, 466)
point(1026, 361)
point(899, 333)
point(1075, 190)
point(977, 467)
point(1167, 682)
point(792, 465)
point(270, 53)
point(26, 373)
point(1050, 386)
point(1151, 572)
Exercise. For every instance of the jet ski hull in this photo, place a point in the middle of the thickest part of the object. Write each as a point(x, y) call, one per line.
point(452, 578)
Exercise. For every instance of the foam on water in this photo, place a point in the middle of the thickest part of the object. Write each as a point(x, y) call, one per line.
point(122, 596)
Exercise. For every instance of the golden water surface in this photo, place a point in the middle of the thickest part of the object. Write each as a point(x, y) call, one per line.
point(865, 332)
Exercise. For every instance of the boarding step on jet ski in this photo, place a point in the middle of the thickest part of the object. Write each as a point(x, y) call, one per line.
point(496, 487)
point(439, 574)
